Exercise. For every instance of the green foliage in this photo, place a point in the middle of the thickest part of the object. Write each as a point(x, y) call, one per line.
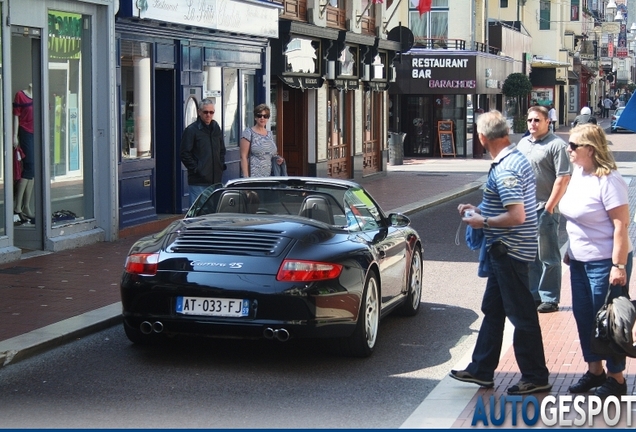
point(516, 85)
point(519, 124)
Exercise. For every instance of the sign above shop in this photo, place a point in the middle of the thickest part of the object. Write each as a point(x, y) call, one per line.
point(346, 84)
point(226, 15)
point(301, 82)
point(440, 73)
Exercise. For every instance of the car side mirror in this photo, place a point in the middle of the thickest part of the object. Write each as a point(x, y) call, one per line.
point(399, 220)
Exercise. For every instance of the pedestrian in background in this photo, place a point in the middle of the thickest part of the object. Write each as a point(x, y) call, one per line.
point(584, 117)
point(202, 151)
point(548, 156)
point(607, 106)
point(552, 114)
point(596, 207)
point(508, 217)
point(259, 153)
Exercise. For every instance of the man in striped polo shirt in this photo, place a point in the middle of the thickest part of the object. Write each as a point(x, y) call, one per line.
point(507, 215)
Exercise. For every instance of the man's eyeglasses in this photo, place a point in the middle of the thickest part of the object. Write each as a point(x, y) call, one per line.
point(207, 112)
point(533, 120)
point(574, 146)
point(262, 116)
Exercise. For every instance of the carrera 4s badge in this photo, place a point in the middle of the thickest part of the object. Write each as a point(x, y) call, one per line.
point(232, 265)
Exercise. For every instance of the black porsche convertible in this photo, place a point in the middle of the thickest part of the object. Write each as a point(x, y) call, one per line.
point(275, 258)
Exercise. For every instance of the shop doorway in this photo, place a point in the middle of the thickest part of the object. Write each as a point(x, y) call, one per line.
point(168, 160)
point(290, 126)
point(339, 136)
point(371, 155)
point(26, 78)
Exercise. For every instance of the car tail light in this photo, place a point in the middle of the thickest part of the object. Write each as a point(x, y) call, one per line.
point(307, 271)
point(142, 263)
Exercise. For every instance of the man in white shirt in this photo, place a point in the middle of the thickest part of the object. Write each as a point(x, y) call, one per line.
point(553, 118)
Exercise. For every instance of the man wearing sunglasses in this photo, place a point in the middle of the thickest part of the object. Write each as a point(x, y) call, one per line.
point(203, 151)
point(550, 162)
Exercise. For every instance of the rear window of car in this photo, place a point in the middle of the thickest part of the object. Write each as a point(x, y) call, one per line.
point(318, 203)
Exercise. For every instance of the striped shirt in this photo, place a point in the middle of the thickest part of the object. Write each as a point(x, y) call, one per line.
point(511, 181)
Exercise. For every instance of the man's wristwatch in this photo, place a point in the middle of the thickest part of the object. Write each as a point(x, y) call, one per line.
point(488, 226)
point(619, 266)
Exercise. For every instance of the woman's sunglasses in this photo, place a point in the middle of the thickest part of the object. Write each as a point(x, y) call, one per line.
point(262, 116)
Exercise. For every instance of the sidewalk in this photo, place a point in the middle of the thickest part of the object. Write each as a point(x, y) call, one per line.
point(50, 299)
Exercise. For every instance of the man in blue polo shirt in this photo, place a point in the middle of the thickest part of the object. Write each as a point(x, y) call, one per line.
point(508, 216)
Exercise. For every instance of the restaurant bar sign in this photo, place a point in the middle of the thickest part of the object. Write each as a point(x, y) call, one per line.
point(439, 74)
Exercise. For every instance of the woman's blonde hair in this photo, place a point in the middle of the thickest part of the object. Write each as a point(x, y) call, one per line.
point(592, 135)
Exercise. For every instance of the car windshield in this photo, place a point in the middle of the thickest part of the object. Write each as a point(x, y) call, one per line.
point(343, 207)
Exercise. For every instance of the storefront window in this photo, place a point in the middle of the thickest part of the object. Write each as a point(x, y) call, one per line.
point(71, 153)
point(231, 118)
point(3, 190)
point(136, 110)
point(248, 99)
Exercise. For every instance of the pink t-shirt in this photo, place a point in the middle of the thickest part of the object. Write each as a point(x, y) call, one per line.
point(23, 109)
point(584, 206)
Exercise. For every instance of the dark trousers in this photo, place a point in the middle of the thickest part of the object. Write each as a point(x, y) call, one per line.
point(508, 295)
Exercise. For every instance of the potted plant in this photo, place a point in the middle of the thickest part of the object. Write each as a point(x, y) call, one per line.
point(517, 85)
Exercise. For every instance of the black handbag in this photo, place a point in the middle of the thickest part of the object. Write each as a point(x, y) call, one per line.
point(612, 335)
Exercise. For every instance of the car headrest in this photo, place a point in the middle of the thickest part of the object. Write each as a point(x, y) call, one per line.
point(318, 208)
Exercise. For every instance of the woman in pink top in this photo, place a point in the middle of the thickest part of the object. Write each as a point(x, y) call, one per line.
point(596, 208)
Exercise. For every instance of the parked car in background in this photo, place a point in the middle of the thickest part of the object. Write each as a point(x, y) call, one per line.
point(469, 119)
point(614, 119)
point(275, 258)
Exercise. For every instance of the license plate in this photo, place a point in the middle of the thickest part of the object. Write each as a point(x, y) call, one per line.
point(207, 306)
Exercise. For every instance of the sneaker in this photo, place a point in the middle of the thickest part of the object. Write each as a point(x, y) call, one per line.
point(524, 387)
point(465, 376)
point(547, 307)
point(611, 387)
point(588, 382)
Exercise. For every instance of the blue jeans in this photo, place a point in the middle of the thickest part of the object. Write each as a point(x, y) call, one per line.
point(195, 191)
point(508, 295)
point(545, 271)
point(590, 282)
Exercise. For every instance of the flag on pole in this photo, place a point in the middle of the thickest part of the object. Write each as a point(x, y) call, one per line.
point(424, 6)
point(378, 1)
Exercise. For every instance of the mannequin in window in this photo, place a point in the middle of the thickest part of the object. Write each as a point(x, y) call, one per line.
point(23, 137)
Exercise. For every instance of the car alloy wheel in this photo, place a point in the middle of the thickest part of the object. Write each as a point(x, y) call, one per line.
point(411, 304)
point(364, 338)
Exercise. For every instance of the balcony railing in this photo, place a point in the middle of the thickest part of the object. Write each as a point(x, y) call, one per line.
point(453, 45)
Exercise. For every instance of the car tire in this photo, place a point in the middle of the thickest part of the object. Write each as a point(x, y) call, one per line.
point(411, 304)
point(363, 340)
point(137, 337)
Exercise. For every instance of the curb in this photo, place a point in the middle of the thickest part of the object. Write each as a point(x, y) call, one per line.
point(26, 345)
point(54, 335)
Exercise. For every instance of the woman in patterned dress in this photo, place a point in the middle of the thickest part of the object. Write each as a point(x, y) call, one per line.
point(258, 146)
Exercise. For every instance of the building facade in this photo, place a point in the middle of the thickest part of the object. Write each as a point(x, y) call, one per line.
point(58, 107)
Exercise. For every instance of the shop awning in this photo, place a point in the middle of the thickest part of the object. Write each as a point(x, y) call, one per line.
point(538, 62)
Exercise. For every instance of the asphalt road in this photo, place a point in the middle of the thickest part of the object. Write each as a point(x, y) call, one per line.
point(103, 381)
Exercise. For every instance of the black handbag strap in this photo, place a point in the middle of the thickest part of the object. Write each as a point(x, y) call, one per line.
point(608, 296)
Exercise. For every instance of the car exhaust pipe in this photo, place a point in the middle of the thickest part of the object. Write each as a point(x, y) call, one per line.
point(157, 327)
point(269, 333)
point(282, 335)
point(145, 327)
